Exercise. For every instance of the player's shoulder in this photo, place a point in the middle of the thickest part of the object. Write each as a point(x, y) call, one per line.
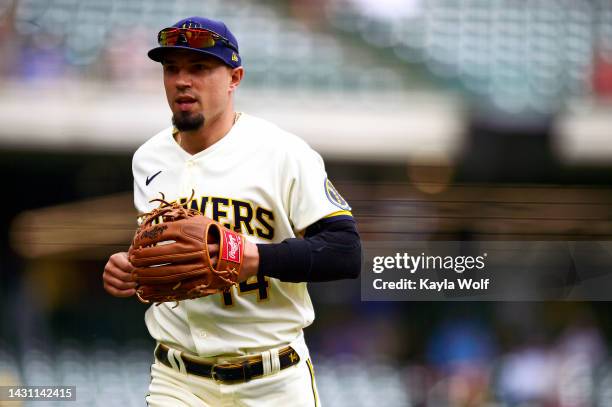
point(273, 136)
point(153, 144)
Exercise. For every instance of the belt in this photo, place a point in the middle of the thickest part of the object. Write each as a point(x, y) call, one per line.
point(229, 372)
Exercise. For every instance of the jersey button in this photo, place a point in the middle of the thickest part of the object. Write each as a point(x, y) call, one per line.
point(202, 334)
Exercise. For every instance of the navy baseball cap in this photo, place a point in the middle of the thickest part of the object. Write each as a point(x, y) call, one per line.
point(201, 35)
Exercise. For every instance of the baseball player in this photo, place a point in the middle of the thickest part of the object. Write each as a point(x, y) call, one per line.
point(244, 347)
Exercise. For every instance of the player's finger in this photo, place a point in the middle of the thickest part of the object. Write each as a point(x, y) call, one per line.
point(119, 268)
point(117, 283)
point(116, 287)
point(213, 249)
point(118, 273)
point(121, 261)
point(120, 293)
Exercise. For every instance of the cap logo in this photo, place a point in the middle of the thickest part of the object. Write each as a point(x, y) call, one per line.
point(234, 57)
point(191, 24)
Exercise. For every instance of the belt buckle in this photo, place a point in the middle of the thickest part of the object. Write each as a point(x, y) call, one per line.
point(213, 373)
point(246, 373)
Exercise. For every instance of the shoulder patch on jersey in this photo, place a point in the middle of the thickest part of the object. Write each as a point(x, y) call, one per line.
point(334, 196)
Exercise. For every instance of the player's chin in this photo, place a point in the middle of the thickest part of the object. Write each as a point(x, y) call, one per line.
point(187, 121)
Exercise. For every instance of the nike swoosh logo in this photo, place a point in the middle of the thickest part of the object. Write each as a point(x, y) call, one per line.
point(149, 179)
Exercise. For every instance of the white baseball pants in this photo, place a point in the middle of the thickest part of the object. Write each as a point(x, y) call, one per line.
point(294, 386)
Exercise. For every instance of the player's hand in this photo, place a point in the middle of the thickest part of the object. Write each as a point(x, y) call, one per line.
point(117, 276)
point(213, 252)
point(250, 265)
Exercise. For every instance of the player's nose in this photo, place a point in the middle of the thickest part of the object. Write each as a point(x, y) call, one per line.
point(183, 79)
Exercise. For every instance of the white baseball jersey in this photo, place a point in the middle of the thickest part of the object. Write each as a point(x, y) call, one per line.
point(265, 182)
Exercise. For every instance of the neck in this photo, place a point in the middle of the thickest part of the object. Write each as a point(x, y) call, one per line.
point(213, 130)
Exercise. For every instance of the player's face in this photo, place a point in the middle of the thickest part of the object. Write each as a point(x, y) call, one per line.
point(198, 88)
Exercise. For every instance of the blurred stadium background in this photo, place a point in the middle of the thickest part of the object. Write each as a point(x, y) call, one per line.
point(438, 119)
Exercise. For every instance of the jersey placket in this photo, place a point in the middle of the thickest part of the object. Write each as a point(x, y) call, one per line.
point(188, 178)
point(200, 332)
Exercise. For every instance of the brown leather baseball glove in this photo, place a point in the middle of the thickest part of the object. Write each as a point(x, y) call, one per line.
point(171, 258)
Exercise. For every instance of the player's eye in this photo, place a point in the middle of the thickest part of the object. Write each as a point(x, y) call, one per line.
point(199, 67)
point(170, 68)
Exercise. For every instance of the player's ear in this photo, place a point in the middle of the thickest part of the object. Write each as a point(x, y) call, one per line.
point(236, 78)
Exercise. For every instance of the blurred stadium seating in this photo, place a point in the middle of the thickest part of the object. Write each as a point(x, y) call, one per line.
point(102, 40)
point(515, 56)
point(107, 373)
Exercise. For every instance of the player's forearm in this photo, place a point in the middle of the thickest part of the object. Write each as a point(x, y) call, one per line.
point(333, 253)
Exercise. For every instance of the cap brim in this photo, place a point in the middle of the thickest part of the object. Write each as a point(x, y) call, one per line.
point(158, 54)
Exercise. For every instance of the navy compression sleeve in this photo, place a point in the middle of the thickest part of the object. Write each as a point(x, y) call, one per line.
point(330, 250)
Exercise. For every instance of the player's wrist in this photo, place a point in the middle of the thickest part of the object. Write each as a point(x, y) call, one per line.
point(250, 265)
